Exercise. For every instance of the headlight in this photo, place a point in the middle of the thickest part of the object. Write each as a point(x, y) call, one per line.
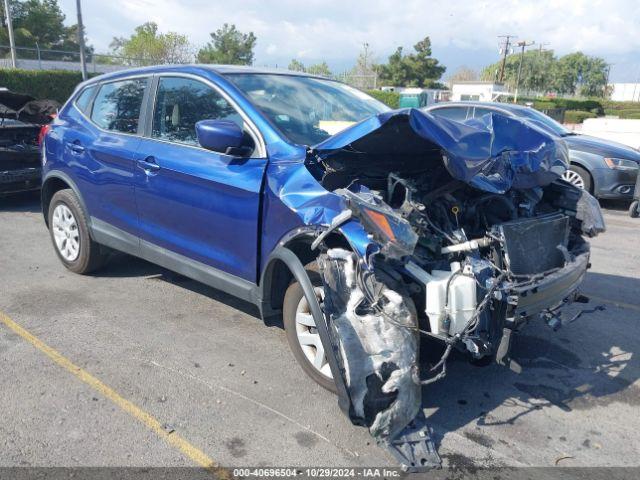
point(621, 164)
point(390, 230)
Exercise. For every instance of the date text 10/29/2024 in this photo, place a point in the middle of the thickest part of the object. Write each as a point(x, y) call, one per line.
point(317, 472)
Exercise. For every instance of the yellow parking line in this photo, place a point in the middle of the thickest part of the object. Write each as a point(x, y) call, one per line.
point(195, 454)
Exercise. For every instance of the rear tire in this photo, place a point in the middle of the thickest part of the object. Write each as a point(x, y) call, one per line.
point(292, 309)
point(69, 231)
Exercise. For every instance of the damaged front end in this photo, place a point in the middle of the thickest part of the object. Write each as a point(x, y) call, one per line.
point(471, 234)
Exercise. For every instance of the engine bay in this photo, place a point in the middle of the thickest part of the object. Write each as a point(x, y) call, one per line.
point(452, 262)
point(469, 234)
point(450, 242)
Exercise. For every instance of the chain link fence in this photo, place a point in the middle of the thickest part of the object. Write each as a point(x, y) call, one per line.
point(34, 58)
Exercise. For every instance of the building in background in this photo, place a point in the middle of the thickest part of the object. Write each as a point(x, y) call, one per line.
point(417, 97)
point(478, 91)
point(625, 92)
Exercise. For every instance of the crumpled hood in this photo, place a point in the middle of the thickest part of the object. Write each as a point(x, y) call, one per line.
point(493, 153)
point(599, 146)
point(26, 108)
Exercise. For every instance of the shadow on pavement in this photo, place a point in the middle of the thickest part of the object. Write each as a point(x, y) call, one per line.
point(123, 265)
point(589, 363)
point(21, 202)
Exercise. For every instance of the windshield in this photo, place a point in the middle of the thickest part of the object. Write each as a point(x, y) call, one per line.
point(307, 110)
point(543, 121)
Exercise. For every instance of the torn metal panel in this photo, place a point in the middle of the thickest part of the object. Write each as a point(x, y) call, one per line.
point(378, 346)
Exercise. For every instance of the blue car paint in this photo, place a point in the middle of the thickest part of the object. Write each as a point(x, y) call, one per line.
point(103, 171)
point(201, 204)
point(232, 213)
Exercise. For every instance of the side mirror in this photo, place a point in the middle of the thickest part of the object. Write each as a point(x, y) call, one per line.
point(222, 136)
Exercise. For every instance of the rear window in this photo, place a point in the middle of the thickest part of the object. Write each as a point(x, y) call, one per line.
point(117, 105)
point(83, 101)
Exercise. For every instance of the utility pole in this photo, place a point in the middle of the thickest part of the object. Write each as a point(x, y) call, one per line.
point(505, 52)
point(523, 44)
point(12, 40)
point(83, 60)
point(541, 45)
point(39, 56)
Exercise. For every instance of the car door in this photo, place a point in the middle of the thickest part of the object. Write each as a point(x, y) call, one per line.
point(99, 150)
point(197, 204)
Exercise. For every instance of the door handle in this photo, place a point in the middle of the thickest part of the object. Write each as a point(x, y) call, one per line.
point(75, 147)
point(149, 165)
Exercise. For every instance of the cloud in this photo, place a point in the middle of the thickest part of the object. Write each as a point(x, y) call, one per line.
point(335, 30)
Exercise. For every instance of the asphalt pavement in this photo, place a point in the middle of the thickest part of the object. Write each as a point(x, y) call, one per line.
point(138, 366)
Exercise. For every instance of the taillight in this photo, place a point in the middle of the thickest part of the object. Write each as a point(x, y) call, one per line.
point(43, 131)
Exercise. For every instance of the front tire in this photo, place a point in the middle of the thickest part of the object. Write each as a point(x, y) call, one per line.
point(69, 231)
point(634, 209)
point(301, 331)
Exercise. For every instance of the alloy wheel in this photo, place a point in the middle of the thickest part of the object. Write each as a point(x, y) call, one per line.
point(574, 179)
point(65, 233)
point(308, 336)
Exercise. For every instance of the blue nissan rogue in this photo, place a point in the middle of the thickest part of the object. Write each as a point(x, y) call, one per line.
point(359, 229)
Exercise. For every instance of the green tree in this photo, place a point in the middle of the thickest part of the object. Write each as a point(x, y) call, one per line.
point(321, 69)
point(417, 69)
point(537, 71)
point(542, 72)
point(41, 22)
point(43, 18)
point(580, 73)
point(296, 66)
point(228, 46)
point(147, 46)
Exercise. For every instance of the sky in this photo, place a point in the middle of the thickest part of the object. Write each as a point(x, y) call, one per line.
point(462, 32)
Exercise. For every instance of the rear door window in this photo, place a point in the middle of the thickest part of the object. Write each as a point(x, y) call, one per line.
point(117, 105)
point(459, 114)
point(83, 101)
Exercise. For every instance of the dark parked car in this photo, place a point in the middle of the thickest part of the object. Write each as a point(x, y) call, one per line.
point(21, 121)
point(604, 168)
point(19, 156)
point(399, 225)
